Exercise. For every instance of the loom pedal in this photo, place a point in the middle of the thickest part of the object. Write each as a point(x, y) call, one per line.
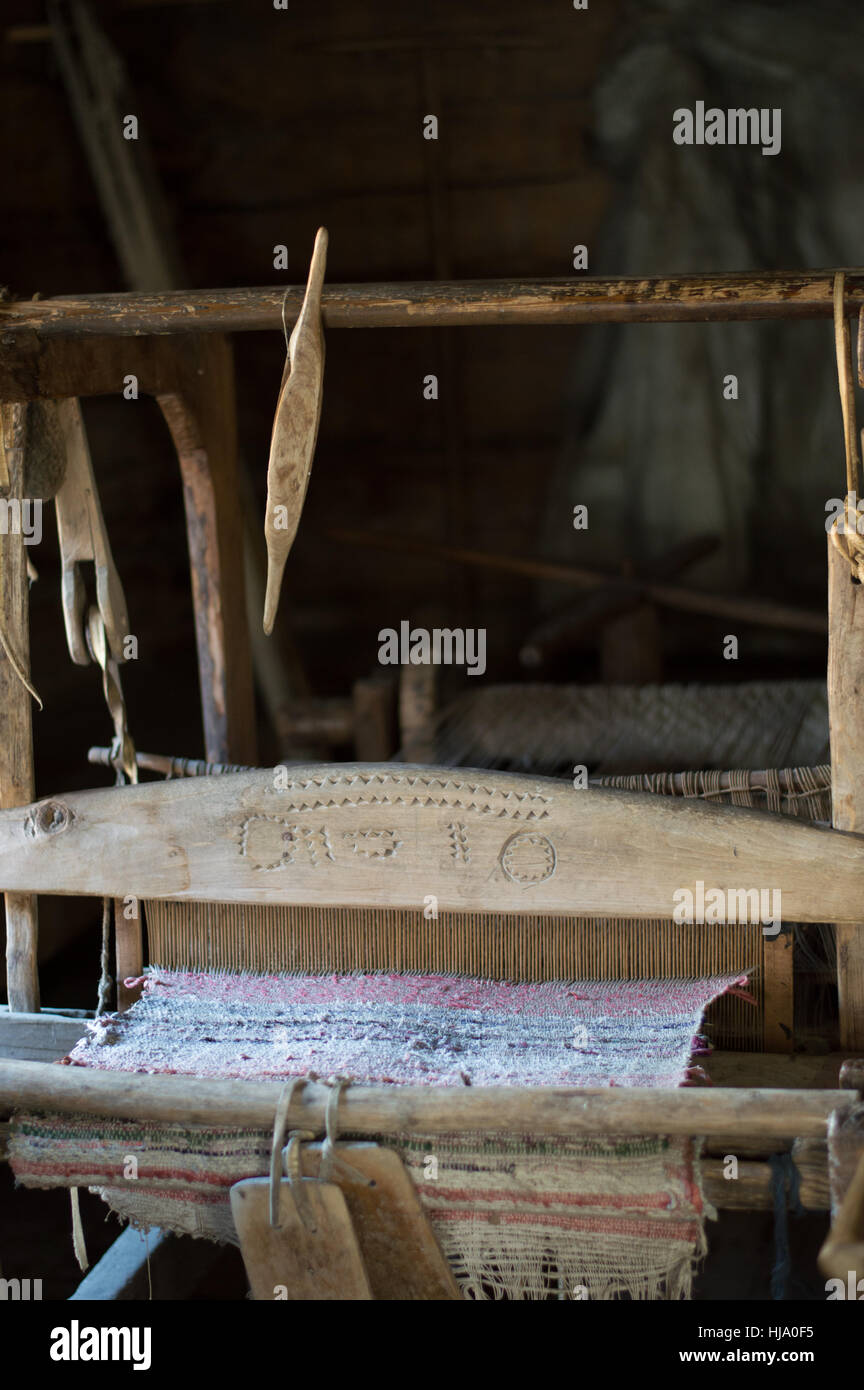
point(312, 1254)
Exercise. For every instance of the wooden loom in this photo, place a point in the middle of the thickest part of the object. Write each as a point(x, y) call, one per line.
point(79, 844)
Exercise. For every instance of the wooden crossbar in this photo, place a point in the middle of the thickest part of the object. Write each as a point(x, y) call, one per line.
point(388, 835)
point(379, 1110)
point(424, 304)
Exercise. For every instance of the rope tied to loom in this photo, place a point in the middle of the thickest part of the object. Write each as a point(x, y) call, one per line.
point(289, 1155)
point(288, 1160)
point(847, 532)
point(125, 769)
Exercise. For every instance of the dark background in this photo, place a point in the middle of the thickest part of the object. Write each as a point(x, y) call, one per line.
point(555, 130)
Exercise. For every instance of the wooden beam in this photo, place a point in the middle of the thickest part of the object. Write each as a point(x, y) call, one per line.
point(43, 1037)
point(633, 299)
point(752, 1189)
point(846, 720)
point(424, 1109)
point(778, 1071)
point(380, 835)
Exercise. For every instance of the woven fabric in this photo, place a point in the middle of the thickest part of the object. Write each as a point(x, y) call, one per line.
point(515, 1216)
point(407, 1029)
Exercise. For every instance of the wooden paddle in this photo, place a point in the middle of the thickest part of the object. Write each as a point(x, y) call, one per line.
point(402, 1256)
point(295, 430)
point(316, 1259)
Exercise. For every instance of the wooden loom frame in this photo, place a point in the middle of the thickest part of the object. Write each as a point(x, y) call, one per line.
point(64, 347)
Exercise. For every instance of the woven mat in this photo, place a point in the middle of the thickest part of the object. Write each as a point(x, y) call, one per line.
point(516, 1216)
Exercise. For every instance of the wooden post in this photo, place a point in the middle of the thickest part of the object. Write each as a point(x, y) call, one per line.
point(200, 415)
point(417, 696)
point(778, 1000)
point(846, 716)
point(129, 939)
point(374, 723)
point(16, 732)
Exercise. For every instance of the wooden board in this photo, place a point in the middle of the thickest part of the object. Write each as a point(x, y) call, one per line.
point(290, 1261)
point(390, 835)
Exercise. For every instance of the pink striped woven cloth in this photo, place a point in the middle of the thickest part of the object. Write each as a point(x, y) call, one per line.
point(408, 1029)
point(516, 1216)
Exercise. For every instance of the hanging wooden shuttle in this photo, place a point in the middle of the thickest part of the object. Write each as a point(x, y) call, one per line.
point(295, 430)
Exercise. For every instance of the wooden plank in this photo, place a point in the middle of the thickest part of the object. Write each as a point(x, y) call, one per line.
point(381, 835)
point(39, 1037)
point(846, 720)
point(17, 784)
point(634, 299)
point(56, 368)
point(383, 1110)
point(778, 1071)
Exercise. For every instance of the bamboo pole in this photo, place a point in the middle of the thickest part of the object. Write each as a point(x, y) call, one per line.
point(768, 1114)
point(633, 299)
point(764, 612)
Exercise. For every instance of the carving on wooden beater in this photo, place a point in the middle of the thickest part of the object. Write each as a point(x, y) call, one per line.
point(373, 844)
point(460, 849)
point(295, 430)
point(331, 790)
point(529, 858)
point(272, 842)
point(315, 842)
